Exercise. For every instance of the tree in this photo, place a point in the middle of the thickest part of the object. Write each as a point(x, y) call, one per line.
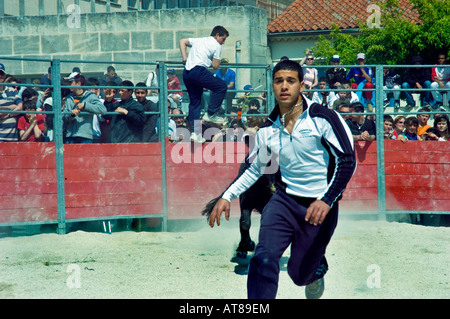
point(398, 38)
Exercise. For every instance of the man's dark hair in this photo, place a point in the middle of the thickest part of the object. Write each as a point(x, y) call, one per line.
point(434, 130)
point(357, 107)
point(341, 105)
point(346, 82)
point(388, 118)
point(92, 82)
point(424, 109)
point(288, 65)
point(412, 120)
point(28, 93)
point(111, 83)
point(220, 30)
point(80, 78)
point(127, 83)
point(29, 105)
point(140, 85)
point(110, 68)
point(254, 102)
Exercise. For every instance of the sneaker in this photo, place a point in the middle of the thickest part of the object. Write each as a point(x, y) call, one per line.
point(197, 138)
point(315, 289)
point(217, 119)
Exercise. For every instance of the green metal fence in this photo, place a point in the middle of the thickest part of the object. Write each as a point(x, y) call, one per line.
point(163, 128)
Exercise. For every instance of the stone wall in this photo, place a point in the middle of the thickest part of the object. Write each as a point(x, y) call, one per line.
point(143, 36)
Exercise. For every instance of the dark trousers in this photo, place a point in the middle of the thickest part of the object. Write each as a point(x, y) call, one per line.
point(195, 80)
point(77, 140)
point(283, 223)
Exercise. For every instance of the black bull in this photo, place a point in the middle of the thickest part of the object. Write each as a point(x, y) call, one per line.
point(255, 198)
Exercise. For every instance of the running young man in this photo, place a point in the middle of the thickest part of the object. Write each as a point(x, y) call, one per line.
point(313, 147)
point(204, 53)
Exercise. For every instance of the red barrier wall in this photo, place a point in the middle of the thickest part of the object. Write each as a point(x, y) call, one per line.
point(103, 180)
point(112, 179)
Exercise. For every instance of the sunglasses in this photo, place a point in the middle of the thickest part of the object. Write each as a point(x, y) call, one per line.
point(310, 59)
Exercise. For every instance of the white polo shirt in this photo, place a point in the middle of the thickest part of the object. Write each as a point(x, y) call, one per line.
point(202, 51)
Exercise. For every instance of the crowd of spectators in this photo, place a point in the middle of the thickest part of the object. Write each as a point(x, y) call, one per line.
point(401, 128)
point(88, 118)
point(411, 128)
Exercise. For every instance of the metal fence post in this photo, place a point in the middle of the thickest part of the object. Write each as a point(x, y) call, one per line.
point(163, 132)
point(59, 146)
point(379, 113)
point(270, 100)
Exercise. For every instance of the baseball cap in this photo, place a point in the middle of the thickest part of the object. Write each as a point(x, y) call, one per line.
point(248, 87)
point(335, 58)
point(2, 68)
point(72, 76)
point(360, 56)
point(224, 60)
point(171, 71)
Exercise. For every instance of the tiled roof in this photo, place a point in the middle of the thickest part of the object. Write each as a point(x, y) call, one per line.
point(309, 15)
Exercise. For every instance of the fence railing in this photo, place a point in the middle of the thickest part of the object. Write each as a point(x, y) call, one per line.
point(163, 115)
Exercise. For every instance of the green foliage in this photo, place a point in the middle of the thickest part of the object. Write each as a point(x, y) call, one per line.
point(397, 40)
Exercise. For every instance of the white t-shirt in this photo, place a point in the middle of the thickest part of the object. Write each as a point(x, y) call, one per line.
point(152, 80)
point(202, 51)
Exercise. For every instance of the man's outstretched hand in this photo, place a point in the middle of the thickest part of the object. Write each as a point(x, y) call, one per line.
point(222, 206)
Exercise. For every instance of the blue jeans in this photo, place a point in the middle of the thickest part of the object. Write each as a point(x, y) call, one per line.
point(77, 140)
point(425, 96)
point(365, 97)
point(195, 80)
point(283, 224)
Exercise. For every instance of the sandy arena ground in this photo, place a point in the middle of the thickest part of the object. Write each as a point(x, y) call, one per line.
point(367, 259)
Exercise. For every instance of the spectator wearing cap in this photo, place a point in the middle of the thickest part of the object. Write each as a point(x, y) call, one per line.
point(229, 76)
point(244, 99)
point(174, 84)
point(417, 78)
point(9, 100)
point(362, 77)
point(335, 75)
point(79, 126)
